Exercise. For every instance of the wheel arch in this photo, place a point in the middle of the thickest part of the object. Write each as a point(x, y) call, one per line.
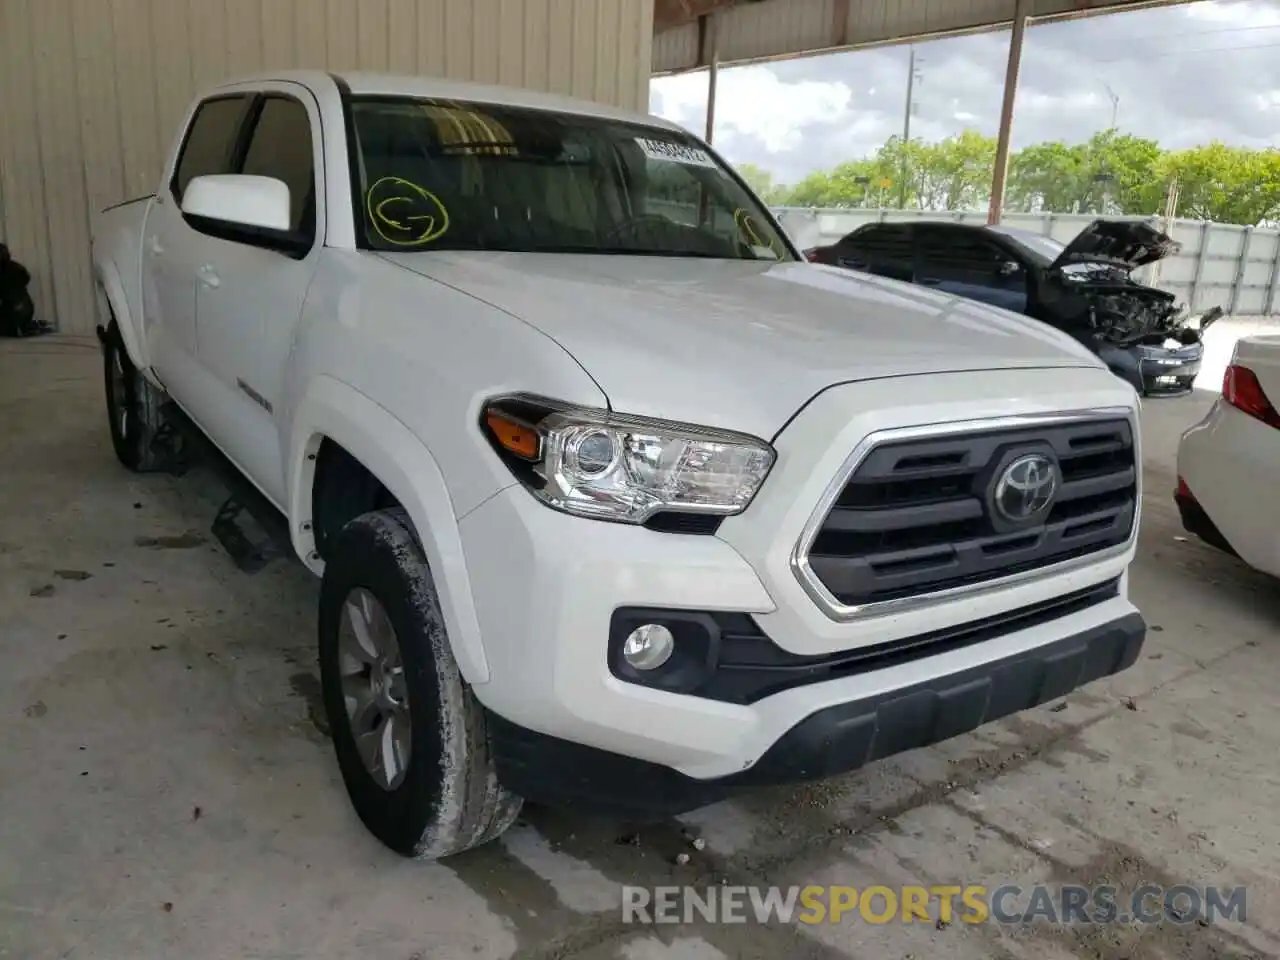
point(331, 412)
point(113, 304)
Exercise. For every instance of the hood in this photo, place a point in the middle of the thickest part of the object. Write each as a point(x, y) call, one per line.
point(1131, 243)
point(741, 345)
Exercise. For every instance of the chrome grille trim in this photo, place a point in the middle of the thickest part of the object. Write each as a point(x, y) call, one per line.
point(842, 612)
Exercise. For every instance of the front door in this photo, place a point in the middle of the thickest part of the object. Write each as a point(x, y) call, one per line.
point(963, 262)
point(250, 293)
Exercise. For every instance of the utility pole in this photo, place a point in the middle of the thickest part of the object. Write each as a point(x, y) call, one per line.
point(911, 83)
point(1115, 105)
point(908, 109)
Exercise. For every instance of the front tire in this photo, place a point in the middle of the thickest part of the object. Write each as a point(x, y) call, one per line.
point(410, 736)
point(133, 408)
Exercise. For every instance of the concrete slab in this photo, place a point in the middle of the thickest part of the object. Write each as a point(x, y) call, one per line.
point(167, 787)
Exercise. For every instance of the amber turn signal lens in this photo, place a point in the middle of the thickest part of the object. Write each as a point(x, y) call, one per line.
point(513, 436)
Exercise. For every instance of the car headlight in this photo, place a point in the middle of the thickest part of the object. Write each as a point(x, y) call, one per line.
point(594, 463)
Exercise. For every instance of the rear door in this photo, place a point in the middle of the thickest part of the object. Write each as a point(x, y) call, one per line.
point(169, 245)
point(961, 260)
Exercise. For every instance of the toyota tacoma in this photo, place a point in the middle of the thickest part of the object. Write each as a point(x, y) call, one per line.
point(617, 502)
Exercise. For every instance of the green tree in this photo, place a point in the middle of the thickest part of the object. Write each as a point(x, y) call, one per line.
point(950, 175)
point(813, 191)
point(1110, 173)
point(1130, 162)
point(1046, 176)
point(957, 171)
point(850, 184)
point(760, 181)
point(1226, 184)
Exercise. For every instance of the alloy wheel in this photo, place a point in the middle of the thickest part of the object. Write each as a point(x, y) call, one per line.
point(373, 688)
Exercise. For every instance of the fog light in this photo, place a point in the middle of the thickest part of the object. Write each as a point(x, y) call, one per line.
point(648, 647)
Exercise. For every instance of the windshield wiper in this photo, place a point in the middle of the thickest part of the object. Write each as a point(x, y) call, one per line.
point(661, 252)
point(629, 251)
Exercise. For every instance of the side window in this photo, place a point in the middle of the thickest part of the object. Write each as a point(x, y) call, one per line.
point(884, 250)
point(281, 148)
point(210, 142)
point(961, 256)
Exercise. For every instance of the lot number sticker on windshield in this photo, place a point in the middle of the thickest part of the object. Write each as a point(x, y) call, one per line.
point(675, 152)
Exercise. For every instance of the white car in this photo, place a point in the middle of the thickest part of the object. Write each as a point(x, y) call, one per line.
point(617, 501)
point(1229, 463)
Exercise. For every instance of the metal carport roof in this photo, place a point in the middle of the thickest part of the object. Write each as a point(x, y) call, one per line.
point(692, 34)
point(753, 30)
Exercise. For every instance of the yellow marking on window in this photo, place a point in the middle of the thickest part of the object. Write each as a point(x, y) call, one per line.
point(422, 228)
point(747, 225)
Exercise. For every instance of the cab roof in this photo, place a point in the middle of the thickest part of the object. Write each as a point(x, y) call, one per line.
point(361, 83)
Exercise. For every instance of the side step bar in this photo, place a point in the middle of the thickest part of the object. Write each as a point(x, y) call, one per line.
point(248, 525)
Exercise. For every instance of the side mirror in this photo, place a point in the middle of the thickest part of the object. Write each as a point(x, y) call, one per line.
point(1010, 268)
point(240, 199)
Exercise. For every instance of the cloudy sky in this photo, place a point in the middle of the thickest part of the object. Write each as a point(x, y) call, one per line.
point(1184, 75)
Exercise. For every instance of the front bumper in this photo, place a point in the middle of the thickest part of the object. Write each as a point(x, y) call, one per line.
point(1154, 371)
point(830, 741)
point(1168, 372)
point(546, 588)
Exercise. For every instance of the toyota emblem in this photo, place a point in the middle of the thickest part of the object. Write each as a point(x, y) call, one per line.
point(1026, 488)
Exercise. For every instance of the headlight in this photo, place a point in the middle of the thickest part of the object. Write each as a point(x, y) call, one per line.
point(615, 467)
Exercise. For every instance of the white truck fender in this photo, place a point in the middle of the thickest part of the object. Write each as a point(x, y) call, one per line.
point(386, 447)
point(114, 303)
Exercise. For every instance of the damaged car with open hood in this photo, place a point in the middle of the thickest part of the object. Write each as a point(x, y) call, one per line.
point(1083, 288)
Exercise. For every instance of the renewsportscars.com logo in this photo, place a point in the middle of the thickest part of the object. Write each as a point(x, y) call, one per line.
point(973, 904)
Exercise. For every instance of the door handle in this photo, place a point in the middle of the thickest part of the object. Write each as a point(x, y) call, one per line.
point(208, 276)
point(930, 281)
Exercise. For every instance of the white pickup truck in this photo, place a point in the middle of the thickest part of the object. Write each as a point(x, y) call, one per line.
point(617, 501)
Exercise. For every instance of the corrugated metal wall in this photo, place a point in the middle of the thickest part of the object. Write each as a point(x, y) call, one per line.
point(91, 91)
point(779, 28)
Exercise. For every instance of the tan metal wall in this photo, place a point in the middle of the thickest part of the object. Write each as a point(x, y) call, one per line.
point(91, 90)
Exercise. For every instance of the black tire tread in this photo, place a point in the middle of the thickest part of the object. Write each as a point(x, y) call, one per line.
point(482, 808)
point(138, 452)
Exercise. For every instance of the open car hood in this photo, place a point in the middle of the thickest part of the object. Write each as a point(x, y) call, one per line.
point(1129, 243)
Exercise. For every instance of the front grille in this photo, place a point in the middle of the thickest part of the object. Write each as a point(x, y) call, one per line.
point(915, 515)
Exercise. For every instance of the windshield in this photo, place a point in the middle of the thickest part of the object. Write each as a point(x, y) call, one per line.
point(437, 175)
point(1044, 249)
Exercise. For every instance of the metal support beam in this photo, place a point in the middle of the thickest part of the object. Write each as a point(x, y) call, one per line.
point(713, 71)
point(839, 23)
point(675, 13)
point(1001, 170)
